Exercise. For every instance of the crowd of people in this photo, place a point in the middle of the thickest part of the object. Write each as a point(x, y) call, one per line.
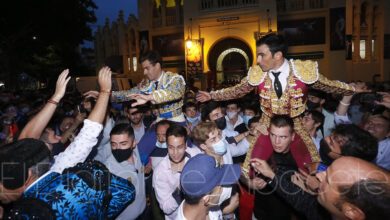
point(284, 143)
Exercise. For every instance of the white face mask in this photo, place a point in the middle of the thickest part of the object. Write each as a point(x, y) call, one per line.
point(231, 115)
point(225, 195)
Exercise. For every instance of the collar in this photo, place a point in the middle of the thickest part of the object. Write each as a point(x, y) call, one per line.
point(284, 70)
point(160, 78)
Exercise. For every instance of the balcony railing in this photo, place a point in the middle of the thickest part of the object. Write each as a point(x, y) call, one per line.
point(226, 4)
point(299, 5)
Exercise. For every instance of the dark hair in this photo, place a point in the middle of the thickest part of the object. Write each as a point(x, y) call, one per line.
point(177, 131)
point(122, 129)
point(253, 120)
point(360, 143)
point(208, 108)
point(317, 93)
point(164, 122)
point(318, 117)
point(121, 119)
point(283, 121)
point(233, 102)
point(275, 43)
point(189, 104)
point(254, 108)
point(18, 157)
point(153, 57)
point(372, 197)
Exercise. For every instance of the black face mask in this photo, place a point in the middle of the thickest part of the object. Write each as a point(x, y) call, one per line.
point(324, 152)
point(57, 148)
point(221, 122)
point(122, 155)
point(312, 105)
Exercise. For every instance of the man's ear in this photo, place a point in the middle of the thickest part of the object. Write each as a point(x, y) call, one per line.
point(352, 212)
point(293, 136)
point(322, 101)
point(206, 200)
point(316, 125)
point(203, 147)
point(134, 142)
point(278, 55)
point(159, 65)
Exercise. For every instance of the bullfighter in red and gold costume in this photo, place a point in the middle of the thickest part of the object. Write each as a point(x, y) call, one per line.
point(298, 77)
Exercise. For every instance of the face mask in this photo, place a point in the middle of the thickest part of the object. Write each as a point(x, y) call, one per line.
point(221, 123)
point(122, 155)
point(161, 145)
point(312, 105)
point(231, 115)
point(247, 118)
point(225, 195)
point(57, 148)
point(192, 120)
point(220, 147)
point(324, 148)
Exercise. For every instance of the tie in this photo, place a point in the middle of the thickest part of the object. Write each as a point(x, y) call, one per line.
point(277, 84)
point(155, 85)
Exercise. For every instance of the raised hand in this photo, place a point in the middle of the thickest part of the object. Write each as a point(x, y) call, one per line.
point(91, 93)
point(104, 79)
point(360, 87)
point(62, 81)
point(203, 96)
point(385, 99)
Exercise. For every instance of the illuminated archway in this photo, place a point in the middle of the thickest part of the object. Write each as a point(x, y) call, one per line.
point(226, 52)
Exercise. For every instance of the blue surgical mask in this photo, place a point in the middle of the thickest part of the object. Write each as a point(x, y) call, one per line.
point(6, 122)
point(2, 136)
point(246, 118)
point(220, 147)
point(161, 145)
point(192, 120)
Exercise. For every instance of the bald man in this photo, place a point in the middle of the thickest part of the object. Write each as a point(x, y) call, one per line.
point(352, 188)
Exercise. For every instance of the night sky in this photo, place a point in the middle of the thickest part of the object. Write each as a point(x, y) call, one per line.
point(110, 9)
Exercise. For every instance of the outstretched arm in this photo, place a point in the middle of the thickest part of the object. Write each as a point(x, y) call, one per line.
point(35, 126)
point(174, 91)
point(80, 148)
point(234, 92)
point(334, 86)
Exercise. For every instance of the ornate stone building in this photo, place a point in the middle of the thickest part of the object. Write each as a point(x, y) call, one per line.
point(349, 38)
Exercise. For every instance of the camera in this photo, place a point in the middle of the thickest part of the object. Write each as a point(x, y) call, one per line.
point(370, 98)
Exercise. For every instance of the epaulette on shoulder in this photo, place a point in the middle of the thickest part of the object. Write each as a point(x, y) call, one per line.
point(305, 70)
point(255, 75)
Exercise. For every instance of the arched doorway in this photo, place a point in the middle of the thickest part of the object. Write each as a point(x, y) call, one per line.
point(229, 60)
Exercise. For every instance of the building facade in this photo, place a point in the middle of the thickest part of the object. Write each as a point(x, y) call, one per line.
point(350, 39)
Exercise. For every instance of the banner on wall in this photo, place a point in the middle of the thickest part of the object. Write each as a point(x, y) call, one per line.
point(194, 58)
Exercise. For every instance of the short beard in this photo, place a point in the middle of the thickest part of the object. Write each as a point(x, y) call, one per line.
point(181, 160)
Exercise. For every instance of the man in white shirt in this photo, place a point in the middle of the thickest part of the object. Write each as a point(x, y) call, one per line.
point(25, 169)
point(237, 143)
point(233, 119)
point(313, 121)
point(167, 174)
point(201, 182)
